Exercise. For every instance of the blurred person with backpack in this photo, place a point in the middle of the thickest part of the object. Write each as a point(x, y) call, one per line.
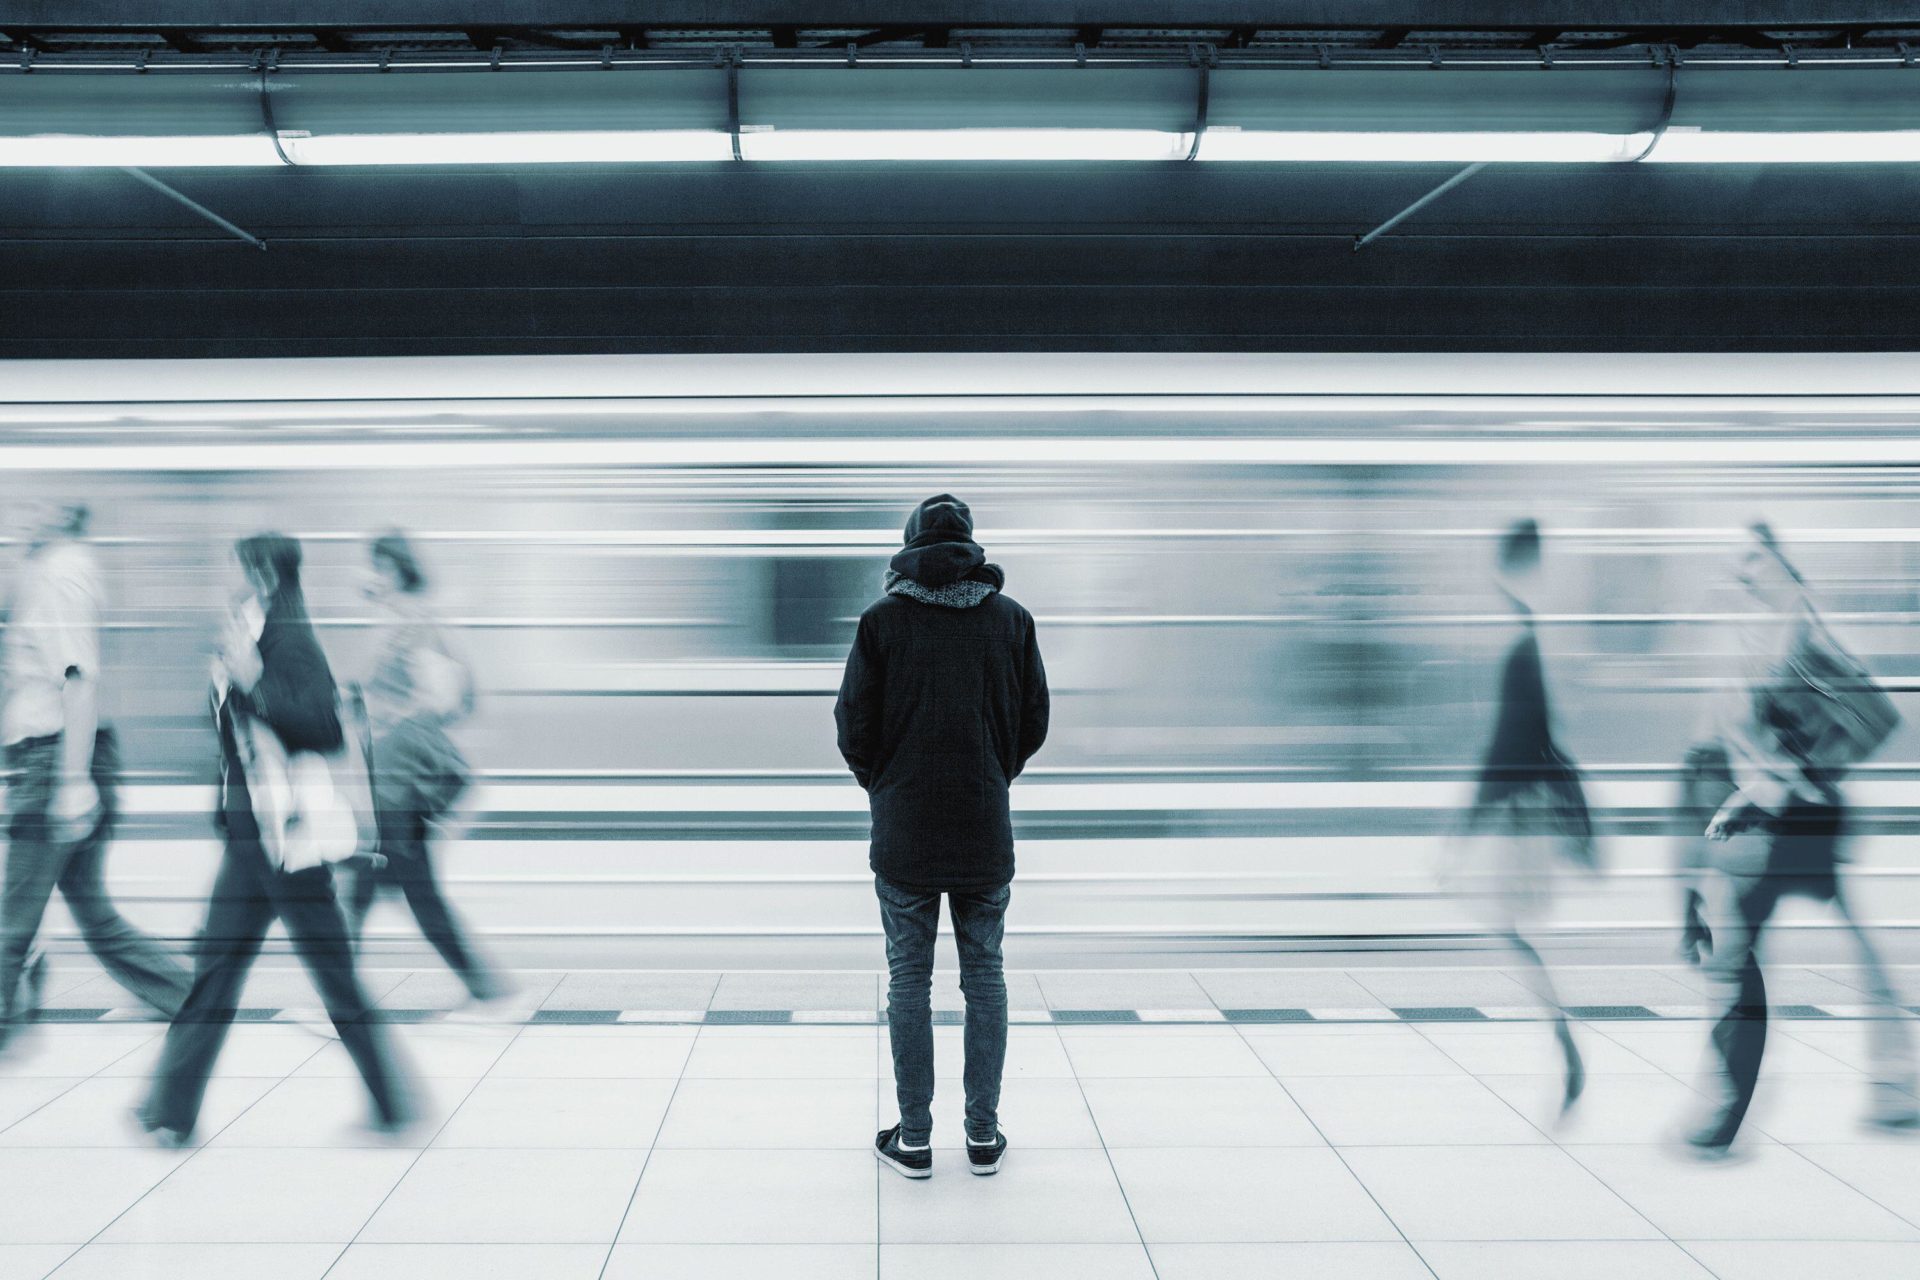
point(1766, 788)
point(417, 688)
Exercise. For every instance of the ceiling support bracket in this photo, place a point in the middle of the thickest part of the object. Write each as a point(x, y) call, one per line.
point(183, 199)
point(1361, 242)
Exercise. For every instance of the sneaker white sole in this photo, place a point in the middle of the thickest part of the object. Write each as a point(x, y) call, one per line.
point(904, 1170)
point(982, 1170)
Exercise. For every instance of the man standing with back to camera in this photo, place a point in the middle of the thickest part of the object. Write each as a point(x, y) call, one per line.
point(943, 703)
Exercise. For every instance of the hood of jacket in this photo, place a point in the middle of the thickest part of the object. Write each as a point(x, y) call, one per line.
point(940, 549)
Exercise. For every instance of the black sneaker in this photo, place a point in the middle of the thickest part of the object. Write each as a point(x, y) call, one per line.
point(984, 1158)
point(912, 1164)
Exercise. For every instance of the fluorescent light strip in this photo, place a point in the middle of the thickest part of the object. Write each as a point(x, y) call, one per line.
point(1837, 146)
point(963, 144)
point(929, 451)
point(1678, 145)
point(1271, 145)
point(75, 151)
point(599, 147)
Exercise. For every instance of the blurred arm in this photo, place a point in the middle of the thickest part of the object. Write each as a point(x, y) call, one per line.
point(1036, 703)
point(857, 710)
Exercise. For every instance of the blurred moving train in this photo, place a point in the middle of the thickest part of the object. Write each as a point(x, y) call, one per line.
point(1263, 586)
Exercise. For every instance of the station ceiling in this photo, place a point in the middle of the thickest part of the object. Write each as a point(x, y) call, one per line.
point(952, 257)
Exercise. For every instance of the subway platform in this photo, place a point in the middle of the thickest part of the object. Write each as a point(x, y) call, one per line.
point(1328, 1122)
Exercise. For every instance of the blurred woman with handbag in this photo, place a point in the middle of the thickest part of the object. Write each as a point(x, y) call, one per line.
point(1801, 713)
point(416, 689)
point(1529, 813)
point(285, 821)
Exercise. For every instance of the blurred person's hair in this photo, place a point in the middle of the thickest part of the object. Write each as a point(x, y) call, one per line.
point(73, 518)
point(274, 553)
point(395, 550)
point(1520, 546)
point(1764, 535)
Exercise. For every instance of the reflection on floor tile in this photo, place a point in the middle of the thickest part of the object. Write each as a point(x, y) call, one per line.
point(200, 1262)
point(768, 1114)
point(31, 1261)
point(991, 1260)
point(1770, 1194)
point(1807, 1260)
point(243, 1196)
point(1189, 1194)
point(1379, 1111)
point(508, 1197)
point(470, 1262)
point(1494, 1193)
point(1374, 1261)
point(577, 1114)
point(1563, 1260)
point(740, 1261)
point(797, 1197)
point(67, 1197)
point(1219, 1111)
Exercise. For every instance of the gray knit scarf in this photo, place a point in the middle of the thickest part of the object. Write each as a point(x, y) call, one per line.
point(964, 594)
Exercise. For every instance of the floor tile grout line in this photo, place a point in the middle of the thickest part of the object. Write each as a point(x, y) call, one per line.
point(1153, 1265)
point(1475, 1077)
point(646, 1161)
point(1694, 1088)
point(195, 1154)
point(1555, 1142)
point(1862, 1193)
point(73, 1082)
point(425, 1147)
point(1339, 1155)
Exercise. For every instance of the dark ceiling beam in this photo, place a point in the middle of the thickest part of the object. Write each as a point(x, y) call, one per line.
point(181, 42)
point(885, 35)
point(1468, 15)
point(1091, 36)
point(332, 42)
point(25, 39)
point(1393, 37)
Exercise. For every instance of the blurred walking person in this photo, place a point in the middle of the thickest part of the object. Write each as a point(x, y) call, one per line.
point(1801, 713)
point(1529, 813)
point(275, 705)
point(61, 763)
point(416, 689)
point(943, 703)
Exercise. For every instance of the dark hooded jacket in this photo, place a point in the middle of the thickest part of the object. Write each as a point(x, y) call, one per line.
point(943, 703)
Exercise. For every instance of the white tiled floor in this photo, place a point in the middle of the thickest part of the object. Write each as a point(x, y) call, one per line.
point(1195, 1152)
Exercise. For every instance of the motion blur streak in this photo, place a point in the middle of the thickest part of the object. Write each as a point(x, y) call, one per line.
point(1264, 588)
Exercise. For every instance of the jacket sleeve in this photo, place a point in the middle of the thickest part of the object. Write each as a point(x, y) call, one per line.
point(296, 694)
point(857, 711)
point(1035, 702)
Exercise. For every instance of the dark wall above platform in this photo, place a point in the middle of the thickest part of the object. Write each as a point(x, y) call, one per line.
point(841, 258)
